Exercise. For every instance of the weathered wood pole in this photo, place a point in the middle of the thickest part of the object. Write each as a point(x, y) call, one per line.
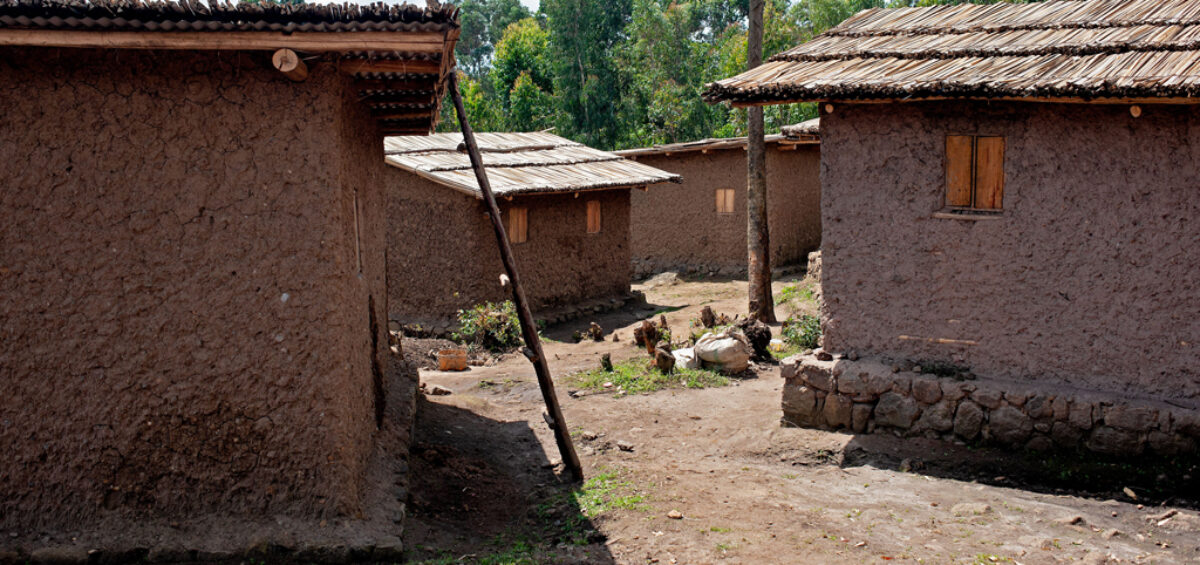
point(533, 343)
point(758, 238)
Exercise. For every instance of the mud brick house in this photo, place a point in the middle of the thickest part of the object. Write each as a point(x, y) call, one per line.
point(565, 208)
point(192, 326)
point(700, 225)
point(1009, 192)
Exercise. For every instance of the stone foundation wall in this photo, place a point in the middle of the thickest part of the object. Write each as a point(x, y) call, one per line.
point(864, 396)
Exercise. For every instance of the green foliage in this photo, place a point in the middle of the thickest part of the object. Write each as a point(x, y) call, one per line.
point(522, 51)
point(494, 327)
point(803, 332)
point(795, 292)
point(483, 22)
point(605, 492)
point(638, 376)
point(584, 35)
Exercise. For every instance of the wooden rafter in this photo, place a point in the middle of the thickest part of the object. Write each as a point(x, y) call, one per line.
point(381, 41)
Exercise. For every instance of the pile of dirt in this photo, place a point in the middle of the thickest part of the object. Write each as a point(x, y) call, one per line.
point(423, 352)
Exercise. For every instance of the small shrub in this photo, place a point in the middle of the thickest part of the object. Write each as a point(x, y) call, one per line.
point(491, 326)
point(803, 332)
point(793, 292)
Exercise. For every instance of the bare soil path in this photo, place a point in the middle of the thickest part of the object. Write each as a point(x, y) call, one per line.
point(486, 489)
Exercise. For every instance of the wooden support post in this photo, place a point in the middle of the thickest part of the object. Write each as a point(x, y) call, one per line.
point(758, 239)
point(533, 343)
point(288, 62)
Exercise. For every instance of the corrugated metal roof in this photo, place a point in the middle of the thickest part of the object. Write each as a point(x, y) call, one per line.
point(519, 163)
point(1061, 49)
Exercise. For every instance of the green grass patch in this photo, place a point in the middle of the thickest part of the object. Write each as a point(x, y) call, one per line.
point(801, 293)
point(639, 376)
point(606, 491)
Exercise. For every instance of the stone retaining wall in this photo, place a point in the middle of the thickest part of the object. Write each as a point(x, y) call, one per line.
point(865, 396)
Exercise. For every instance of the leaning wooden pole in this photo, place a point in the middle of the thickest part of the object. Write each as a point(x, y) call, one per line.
point(533, 343)
point(758, 238)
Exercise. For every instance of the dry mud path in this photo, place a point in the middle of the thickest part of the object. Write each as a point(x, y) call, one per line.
point(748, 490)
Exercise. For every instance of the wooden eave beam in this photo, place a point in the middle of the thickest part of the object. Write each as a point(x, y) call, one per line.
point(400, 115)
point(409, 100)
point(1031, 99)
point(384, 41)
point(391, 67)
point(395, 85)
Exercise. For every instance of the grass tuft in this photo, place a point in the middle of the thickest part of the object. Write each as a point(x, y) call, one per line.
point(639, 376)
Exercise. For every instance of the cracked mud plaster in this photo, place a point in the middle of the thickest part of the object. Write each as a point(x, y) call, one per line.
point(1090, 278)
point(676, 226)
point(443, 255)
point(157, 208)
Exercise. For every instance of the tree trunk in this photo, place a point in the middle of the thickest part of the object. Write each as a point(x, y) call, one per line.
point(758, 239)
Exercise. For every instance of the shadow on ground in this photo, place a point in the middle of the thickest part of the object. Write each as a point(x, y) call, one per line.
point(1152, 480)
point(483, 491)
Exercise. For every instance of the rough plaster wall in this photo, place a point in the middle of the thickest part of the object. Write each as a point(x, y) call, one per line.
point(677, 226)
point(161, 206)
point(1090, 278)
point(443, 253)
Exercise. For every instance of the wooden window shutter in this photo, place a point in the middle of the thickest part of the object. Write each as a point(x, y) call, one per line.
point(593, 216)
point(725, 199)
point(960, 160)
point(989, 173)
point(518, 225)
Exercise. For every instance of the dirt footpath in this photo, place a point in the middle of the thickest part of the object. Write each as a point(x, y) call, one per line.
point(712, 477)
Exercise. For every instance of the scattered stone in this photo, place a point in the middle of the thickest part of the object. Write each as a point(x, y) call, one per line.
point(1071, 520)
point(853, 356)
point(823, 355)
point(1111, 533)
point(669, 278)
point(438, 390)
point(896, 410)
point(624, 445)
point(616, 337)
point(589, 435)
point(675, 515)
point(607, 384)
point(970, 509)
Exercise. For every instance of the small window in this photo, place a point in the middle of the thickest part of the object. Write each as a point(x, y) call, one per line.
point(974, 173)
point(518, 225)
point(593, 216)
point(725, 200)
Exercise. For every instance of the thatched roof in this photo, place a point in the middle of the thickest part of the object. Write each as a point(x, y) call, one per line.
point(398, 54)
point(1062, 49)
point(712, 144)
point(519, 163)
point(803, 130)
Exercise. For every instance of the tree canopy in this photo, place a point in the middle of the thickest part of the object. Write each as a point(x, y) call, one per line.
point(627, 73)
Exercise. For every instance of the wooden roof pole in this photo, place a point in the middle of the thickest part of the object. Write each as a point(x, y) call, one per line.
point(533, 344)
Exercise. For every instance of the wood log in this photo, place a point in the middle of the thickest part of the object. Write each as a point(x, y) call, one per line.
point(761, 305)
point(288, 62)
point(390, 67)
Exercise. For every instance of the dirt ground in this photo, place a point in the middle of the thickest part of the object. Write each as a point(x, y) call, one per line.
point(712, 477)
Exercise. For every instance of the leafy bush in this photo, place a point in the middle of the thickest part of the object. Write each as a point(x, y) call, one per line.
point(804, 331)
point(491, 326)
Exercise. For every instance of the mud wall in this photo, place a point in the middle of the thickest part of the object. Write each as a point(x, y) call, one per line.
point(437, 267)
point(1088, 279)
point(677, 227)
point(184, 328)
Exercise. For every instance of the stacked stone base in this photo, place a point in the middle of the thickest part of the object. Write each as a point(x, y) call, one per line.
point(866, 396)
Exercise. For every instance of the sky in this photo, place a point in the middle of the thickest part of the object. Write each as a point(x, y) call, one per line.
point(531, 4)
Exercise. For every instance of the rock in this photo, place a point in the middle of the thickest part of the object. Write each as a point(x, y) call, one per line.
point(708, 318)
point(1170, 444)
point(860, 414)
point(1071, 520)
point(1060, 408)
point(852, 383)
point(669, 278)
point(1112, 441)
point(438, 390)
point(896, 411)
point(988, 397)
point(616, 337)
point(823, 355)
point(939, 417)
point(953, 391)
point(1128, 417)
point(624, 445)
point(964, 509)
point(1038, 406)
point(1187, 422)
point(819, 376)
point(589, 436)
point(1009, 425)
point(675, 515)
point(59, 555)
point(838, 411)
point(1016, 397)
point(1110, 533)
point(799, 406)
point(968, 420)
point(1081, 414)
point(926, 391)
point(1065, 434)
point(1040, 443)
